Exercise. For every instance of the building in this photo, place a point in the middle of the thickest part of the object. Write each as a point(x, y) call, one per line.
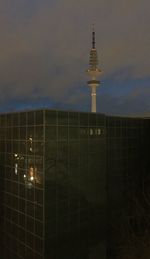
point(127, 173)
point(66, 178)
point(52, 194)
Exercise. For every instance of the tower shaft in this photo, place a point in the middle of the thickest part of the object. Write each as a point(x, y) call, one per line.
point(93, 98)
point(93, 86)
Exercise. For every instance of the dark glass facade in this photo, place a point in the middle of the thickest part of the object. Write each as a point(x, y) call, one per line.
point(127, 174)
point(75, 194)
point(53, 194)
point(22, 184)
point(66, 179)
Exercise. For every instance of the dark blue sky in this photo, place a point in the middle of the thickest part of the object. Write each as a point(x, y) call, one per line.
point(45, 52)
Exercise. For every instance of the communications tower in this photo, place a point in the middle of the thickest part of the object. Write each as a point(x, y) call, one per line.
point(93, 72)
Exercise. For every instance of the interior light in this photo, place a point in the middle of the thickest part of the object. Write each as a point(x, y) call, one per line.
point(99, 131)
point(91, 131)
point(16, 169)
point(31, 178)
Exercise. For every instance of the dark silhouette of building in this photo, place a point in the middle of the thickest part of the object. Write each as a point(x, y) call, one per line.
point(66, 179)
point(127, 174)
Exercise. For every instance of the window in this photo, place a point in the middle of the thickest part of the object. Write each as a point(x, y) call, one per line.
point(91, 132)
point(98, 131)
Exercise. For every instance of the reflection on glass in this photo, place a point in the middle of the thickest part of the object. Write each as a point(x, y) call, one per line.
point(30, 144)
point(16, 168)
point(32, 177)
point(16, 163)
point(31, 174)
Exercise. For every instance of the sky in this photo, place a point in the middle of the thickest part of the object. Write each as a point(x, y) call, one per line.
point(44, 55)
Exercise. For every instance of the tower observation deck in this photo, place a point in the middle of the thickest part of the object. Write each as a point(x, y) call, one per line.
point(93, 72)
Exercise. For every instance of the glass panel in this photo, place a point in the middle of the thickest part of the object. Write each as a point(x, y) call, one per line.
point(39, 118)
point(51, 132)
point(30, 224)
point(50, 117)
point(38, 228)
point(39, 245)
point(39, 133)
point(84, 119)
point(8, 146)
point(100, 119)
point(2, 134)
point(9, 119)
point(92, 119)
point(30, 194)
point(15, 119)
point(62, 133)
point(15, 202)
point(39, 212)
point(8, 172)
point(84, 132)
point(73, 118)
point(3, 121)
point(38, 148)
point(22, 190)
point(22, 149)
point(16, 133)
point(23, 133)
point(21, 219)
point(15, 147)
point(30, 133)
point(22, 205)
point(23, 119)
point(39, 196)
point(62, 118)
point(30, 208)
point(73, 133)
point(21, 234)
point(30, 118)
point(15, 188)
point(8, 133)
point(22, 249)
point(30, 242)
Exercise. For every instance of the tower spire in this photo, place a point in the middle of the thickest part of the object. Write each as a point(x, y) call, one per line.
point(93, 38)
point(93, 72)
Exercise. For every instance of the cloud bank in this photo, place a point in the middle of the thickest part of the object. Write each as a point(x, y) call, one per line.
point(44, 51)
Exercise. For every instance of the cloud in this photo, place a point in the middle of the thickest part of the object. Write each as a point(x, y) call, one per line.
point(134, 101)
point(45, 46)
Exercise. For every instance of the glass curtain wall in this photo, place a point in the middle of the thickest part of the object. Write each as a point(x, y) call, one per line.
point(21, 162)
point(75, 195)
point(126, 156)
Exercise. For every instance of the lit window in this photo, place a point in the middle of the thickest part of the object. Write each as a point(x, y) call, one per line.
point(91, 132)
point(99, 132)
point(16, 169)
